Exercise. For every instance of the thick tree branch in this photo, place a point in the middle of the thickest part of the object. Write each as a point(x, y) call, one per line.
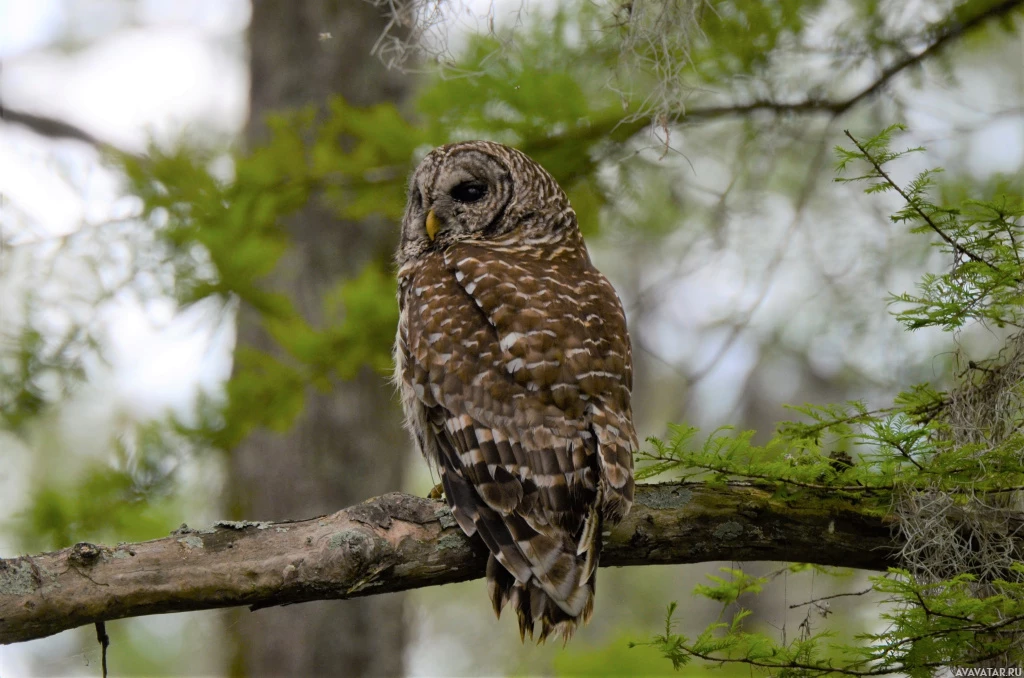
point(397, 542)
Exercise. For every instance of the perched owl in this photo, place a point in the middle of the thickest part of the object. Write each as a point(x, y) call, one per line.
point(515, 372)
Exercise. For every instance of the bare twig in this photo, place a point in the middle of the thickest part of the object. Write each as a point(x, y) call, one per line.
point(952, 32)
point(48, 127)
point(835, 595)
point(104, 640)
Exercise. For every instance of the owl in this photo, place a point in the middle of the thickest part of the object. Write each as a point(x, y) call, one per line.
point(515, 370)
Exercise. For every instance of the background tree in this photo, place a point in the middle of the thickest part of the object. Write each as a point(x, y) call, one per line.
point(347, 445)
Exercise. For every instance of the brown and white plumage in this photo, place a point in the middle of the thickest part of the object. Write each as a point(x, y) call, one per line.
point(515, 372)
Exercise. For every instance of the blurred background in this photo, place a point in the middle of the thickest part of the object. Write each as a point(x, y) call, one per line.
point(197, 300)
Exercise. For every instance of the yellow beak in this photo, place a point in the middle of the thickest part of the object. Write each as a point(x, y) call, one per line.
point(433, 225)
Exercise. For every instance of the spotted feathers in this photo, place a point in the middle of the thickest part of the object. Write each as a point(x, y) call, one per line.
point(515, 371)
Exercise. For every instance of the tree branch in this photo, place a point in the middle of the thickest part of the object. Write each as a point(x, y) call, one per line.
point(48, 127)
point(951, 31)
point(619, 129)
point(398, 542)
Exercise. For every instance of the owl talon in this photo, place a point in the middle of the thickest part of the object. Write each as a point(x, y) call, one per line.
point(437, 492)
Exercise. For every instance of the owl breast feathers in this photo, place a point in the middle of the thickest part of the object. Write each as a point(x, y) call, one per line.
point(515, 372)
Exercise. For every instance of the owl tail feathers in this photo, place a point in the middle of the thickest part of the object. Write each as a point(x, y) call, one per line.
point(534, 605)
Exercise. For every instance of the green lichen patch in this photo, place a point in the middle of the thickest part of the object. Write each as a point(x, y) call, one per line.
point(663, 496)
point(191, 542)
point(350, 539)
point(445, 517)
point(242, 524)
point(18, 577)
point(451, 541)
point(729, 530)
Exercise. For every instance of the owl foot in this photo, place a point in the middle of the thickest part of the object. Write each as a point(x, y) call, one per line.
point(437, 492)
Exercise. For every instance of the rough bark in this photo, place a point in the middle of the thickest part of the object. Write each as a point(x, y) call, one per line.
point(397, 542)
point(348, 444)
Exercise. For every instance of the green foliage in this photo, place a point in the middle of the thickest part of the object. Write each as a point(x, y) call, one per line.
point(928, 626)
point(361, 326)
point(612, 660)
point(904, 446)
point(937, 624)
point(949, 459)
point(368, 324)
point(31, 369)
point(983, 237)
point(131, 499)
point(728, 590)
point(728, 643)
point(100, 504)
point(528, 95)
point(234, 234)
point(20, 381)
point(226, 237)
point(723, 54)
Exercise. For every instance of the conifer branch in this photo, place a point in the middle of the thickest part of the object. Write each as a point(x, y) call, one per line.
point(915, 205)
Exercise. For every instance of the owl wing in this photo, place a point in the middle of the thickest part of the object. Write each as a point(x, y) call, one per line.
point(503, 400)
point(561, 335)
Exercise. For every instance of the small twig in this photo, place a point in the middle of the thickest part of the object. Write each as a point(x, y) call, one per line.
point(957, 247)
point(1013, 241)
point(835, 595)
point(821, 670)
point(906, 455)
point(852, 419)
point(48, 127)
point(104, 641)
point(784, 481)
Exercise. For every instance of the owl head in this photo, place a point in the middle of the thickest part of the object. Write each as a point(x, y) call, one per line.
point(480, 190)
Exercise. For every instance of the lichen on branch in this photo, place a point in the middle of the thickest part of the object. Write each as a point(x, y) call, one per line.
point(397, 542)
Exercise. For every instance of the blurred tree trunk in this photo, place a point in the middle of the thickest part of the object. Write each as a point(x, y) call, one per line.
point(348, 444)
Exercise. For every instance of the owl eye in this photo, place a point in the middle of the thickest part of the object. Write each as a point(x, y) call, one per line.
point(469, 191)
